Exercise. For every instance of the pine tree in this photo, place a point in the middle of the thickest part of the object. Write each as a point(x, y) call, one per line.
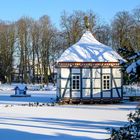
point(131, 67)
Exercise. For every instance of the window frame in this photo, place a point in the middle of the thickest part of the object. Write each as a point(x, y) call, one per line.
point(76, 82)
point(106, 82)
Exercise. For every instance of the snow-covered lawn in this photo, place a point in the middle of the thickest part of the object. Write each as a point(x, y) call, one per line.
point(68, 122)
point(18, 121)
point(36, 96)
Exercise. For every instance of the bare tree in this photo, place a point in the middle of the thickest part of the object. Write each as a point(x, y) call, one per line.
point(46, 37)
point(121, 27)
point(135, 30)
point(103, 34)
point(35, 51)
point(73, 25)
point(23, 35)
point(7, 40)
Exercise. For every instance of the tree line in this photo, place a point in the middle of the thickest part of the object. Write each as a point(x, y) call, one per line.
point(29, 48)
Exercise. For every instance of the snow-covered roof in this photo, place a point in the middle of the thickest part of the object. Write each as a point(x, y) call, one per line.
point(88, 49)
point(21, 86)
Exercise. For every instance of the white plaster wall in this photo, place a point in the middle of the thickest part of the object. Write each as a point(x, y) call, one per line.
point(106, 70)
point(58, 72)
point(116, 72)
point(96, 73)
point(65, 72)
point(115, 92)
point(58, 80)
point(86, 73)
point(96, 93)
point(106, 94)
point(75, 94)
point(67, 93)
point(117, 82)
point(58, 83)
point(96, 83)
point(75, 70)
point(86, 92)
point(86, 83)
point(63, 83)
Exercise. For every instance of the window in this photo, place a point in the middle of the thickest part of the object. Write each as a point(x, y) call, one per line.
point(106, 82)
point(76, 82)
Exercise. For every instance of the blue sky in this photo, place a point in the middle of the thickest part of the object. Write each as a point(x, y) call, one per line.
point(12, 10)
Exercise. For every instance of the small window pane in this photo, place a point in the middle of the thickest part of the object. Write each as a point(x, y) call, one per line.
point(76, 82)
point(106, 82)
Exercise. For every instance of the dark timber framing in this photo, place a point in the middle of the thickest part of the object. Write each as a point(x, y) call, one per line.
point(121, 85)
point(81, 85)
point(90, 66)
point(91, 84)
point(101, 83)
point(68, 79)
point(59, 83)
point(111, 84)
point(70, 83)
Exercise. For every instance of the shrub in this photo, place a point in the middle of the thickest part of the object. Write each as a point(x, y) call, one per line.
point(130, 131)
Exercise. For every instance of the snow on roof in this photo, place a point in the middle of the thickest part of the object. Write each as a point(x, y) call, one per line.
point(88, 49)
point(21, 86)
point(133, 66)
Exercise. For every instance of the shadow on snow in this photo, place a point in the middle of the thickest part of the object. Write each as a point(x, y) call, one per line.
point(9, 134)
point(79, 126)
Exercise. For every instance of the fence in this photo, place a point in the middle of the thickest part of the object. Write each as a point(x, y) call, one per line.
point(131, 91)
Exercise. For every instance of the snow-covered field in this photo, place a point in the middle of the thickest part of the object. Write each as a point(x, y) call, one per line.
point(18, 121)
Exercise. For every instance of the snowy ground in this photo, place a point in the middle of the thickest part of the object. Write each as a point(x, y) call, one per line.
point(67, 122)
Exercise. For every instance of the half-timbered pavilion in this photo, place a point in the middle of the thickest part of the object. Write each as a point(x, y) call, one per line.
point(89, 72)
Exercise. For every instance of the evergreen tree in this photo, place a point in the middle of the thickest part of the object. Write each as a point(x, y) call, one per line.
point(131, 67)
point(130, 131)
